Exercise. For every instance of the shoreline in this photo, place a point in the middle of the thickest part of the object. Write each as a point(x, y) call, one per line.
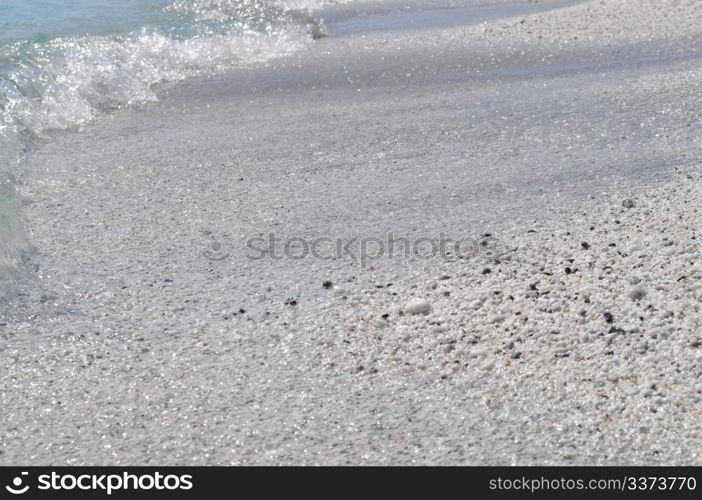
point(144, 352)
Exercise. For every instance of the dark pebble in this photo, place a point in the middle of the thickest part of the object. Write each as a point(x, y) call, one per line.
point(291, 302)
point(487, 270)
point(585, 245)
point(327, 284)
point(608, 317)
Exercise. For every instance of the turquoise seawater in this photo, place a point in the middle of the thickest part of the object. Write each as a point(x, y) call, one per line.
point(43, 20)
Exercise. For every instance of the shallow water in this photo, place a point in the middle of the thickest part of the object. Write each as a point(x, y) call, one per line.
point(393, 15)
point(42, 20)
point(62, 64)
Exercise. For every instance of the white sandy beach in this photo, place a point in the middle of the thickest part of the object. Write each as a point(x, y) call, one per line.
point(562, 138)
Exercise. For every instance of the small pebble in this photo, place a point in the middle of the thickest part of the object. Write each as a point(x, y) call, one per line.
point(417, 306)
point(628, 203)
point(636, 293)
